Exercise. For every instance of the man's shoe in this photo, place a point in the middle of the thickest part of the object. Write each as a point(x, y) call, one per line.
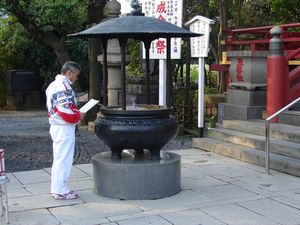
point(68, 196)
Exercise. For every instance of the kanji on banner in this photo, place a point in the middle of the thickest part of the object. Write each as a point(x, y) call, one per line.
point(170, 11)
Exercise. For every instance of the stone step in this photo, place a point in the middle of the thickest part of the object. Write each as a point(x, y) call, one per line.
point(277, 130)
point(282, 147)
point(290, 117)
point(247, 154)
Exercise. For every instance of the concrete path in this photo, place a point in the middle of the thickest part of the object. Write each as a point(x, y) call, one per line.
point(215, 190)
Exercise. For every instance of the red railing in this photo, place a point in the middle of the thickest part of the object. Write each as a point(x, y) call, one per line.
point(293, 83)
point(261, 37)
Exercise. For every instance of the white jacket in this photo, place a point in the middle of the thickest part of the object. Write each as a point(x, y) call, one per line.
point(61, 102)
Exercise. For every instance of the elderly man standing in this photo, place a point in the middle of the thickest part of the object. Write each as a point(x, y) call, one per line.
point(63, 116)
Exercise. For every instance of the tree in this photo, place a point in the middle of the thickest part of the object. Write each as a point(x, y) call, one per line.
point(19, 51)
point(238, 6)
point(285, 11)
point(48, 22)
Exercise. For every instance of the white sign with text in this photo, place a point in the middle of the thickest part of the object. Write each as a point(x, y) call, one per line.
point(199, 45)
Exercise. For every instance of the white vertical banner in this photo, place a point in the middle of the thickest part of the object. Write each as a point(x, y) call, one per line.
point(162, 82)
point(170, 11)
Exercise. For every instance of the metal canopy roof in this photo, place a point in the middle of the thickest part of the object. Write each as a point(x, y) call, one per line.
point(137, 27)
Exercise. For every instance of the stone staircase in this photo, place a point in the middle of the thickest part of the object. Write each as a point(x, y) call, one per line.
point(290, 117)
point(245, 140)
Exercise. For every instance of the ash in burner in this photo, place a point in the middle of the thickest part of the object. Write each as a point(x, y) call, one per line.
point(136, 107)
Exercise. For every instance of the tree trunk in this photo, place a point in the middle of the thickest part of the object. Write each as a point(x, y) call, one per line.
point(62, 54)
point(58, 44)
point(95, 77)
point(238, 13)
point(95, 69)
point(187, 116)
point(205, 8)
point(223, 25)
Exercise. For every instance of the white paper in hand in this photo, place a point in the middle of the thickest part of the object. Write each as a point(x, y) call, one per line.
point(87, 106)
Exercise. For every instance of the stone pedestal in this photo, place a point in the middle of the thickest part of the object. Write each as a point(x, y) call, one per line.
point(242, 105)
point(239, 112)
point(136, 176)
point(248, 67)
point(246, 95)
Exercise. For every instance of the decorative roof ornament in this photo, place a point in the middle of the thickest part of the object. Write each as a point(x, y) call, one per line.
point(137, 9)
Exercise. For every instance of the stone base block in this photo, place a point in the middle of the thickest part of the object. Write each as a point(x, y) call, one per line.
point(15, 100)
point(239, 112)
point(246, 97)
point(18, 101)
point(137, 177)
point(32, 100)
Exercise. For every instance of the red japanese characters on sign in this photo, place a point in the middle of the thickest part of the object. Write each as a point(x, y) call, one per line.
point(160, 46)
point(170, 11)
point(161, 8)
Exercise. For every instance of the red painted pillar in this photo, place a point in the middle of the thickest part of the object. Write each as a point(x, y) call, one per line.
point(276, 74)
point(229, 47)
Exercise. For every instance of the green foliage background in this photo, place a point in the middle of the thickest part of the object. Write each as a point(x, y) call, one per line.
point(22, 50)
point(18, 51)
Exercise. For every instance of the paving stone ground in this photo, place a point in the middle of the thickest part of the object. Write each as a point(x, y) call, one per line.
point(215, 191)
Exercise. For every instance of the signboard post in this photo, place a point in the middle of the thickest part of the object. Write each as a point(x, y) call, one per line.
point(199, 49)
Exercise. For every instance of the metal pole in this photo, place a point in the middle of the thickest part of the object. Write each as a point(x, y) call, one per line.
point(267, 147)
point(267, 141)
point(123, 72)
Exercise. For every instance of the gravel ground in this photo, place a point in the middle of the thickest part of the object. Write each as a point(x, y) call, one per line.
point(24, 135)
